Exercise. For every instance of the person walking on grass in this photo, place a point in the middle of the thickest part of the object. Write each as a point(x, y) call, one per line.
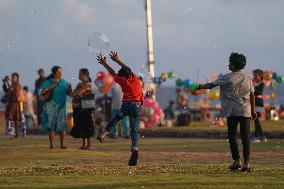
point(259, 105)
point(238, 106)
point(54, 92)
point(15, 105)
point(132, 102)
point(39, 104)
point(83, 115)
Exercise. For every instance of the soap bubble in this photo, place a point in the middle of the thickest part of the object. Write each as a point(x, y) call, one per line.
point(147, 79)
point(9, 48)
point(98, 43)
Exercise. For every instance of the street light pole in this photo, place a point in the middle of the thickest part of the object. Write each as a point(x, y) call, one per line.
point(150, 47)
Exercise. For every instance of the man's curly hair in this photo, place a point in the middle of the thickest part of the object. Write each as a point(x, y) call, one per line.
point(238, 60)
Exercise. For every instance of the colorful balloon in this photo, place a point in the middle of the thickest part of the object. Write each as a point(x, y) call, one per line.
point(193, 86)
point(152, 113)
point(104, 82)
point(186, 83)
point(179, 83)
point(279, 79)
point(171, 75)
point(196, 92)
point(213, 78)
point(214, 95)
point(164, 76)
point(157, 80)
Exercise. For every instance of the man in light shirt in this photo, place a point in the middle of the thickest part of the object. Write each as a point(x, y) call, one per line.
point(116, 97)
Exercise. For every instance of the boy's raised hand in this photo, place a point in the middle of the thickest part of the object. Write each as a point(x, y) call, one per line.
point(101, 59)
point(114, 56)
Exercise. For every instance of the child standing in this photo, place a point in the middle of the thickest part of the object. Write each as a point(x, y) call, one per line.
point(258, 91)
point(83, 118)
point(237, 100)
point(131, 103)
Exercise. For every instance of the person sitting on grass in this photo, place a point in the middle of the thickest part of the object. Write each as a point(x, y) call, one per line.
point(238, 106)
point(131, 103)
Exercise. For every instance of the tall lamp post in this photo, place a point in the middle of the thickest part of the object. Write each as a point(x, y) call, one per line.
point(150, 47)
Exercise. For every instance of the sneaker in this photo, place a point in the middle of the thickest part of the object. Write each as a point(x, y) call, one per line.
point(133, 159)
point(262, 139)
point(89, 148)
point(235, 166)
point(255, 139)
point(101, 136)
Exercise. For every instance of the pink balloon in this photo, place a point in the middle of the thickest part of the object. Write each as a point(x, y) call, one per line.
point(100, 76)
point(160, 111)
point(155, 119)
point(148, 102)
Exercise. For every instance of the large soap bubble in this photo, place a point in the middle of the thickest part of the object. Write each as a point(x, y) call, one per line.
point(98, 43)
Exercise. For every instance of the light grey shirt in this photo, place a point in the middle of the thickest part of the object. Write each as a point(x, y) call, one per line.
point(116, 96)
point(235, 90)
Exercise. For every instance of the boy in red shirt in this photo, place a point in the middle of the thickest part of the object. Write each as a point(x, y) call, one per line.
point(131, 103)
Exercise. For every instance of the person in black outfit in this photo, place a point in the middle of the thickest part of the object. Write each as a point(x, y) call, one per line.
point(39, 104)
point(83, 116)
point(258, 91)
point(238, 106)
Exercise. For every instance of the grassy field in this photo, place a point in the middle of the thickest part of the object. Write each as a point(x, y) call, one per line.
point(267, 125)
point(163, 163)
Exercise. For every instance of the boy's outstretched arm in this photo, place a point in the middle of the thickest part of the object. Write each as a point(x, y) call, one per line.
point(102, 60)
point(205, 86)
point(115, 58)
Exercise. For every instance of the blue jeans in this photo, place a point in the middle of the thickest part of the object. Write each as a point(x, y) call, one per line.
point(124, 123)
point(133, 110)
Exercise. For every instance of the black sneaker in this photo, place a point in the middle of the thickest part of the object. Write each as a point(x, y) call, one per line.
point(133, 159)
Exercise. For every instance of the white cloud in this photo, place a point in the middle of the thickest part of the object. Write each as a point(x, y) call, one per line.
point(80, 11)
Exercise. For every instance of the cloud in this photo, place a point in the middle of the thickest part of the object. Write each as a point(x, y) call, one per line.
point(79, 11)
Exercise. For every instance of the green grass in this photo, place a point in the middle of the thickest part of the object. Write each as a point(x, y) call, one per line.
point(163, 163)
point(268, 125)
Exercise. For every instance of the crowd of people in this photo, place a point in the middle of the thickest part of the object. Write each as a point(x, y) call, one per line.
point(241, 100)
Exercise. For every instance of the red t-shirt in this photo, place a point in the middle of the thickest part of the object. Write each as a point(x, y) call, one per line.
point(131, 88)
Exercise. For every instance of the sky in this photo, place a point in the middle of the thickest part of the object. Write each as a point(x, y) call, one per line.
point(193, 38)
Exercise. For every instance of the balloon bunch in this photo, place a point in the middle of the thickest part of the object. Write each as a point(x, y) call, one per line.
point(152, 113)
point(188, 86)
point(103, 82)
point(164, 77)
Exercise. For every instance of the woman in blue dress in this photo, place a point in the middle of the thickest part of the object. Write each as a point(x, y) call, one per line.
point(54, 111)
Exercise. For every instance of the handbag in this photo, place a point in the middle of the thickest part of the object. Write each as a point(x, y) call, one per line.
point(88, 101)
point(45, 97)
